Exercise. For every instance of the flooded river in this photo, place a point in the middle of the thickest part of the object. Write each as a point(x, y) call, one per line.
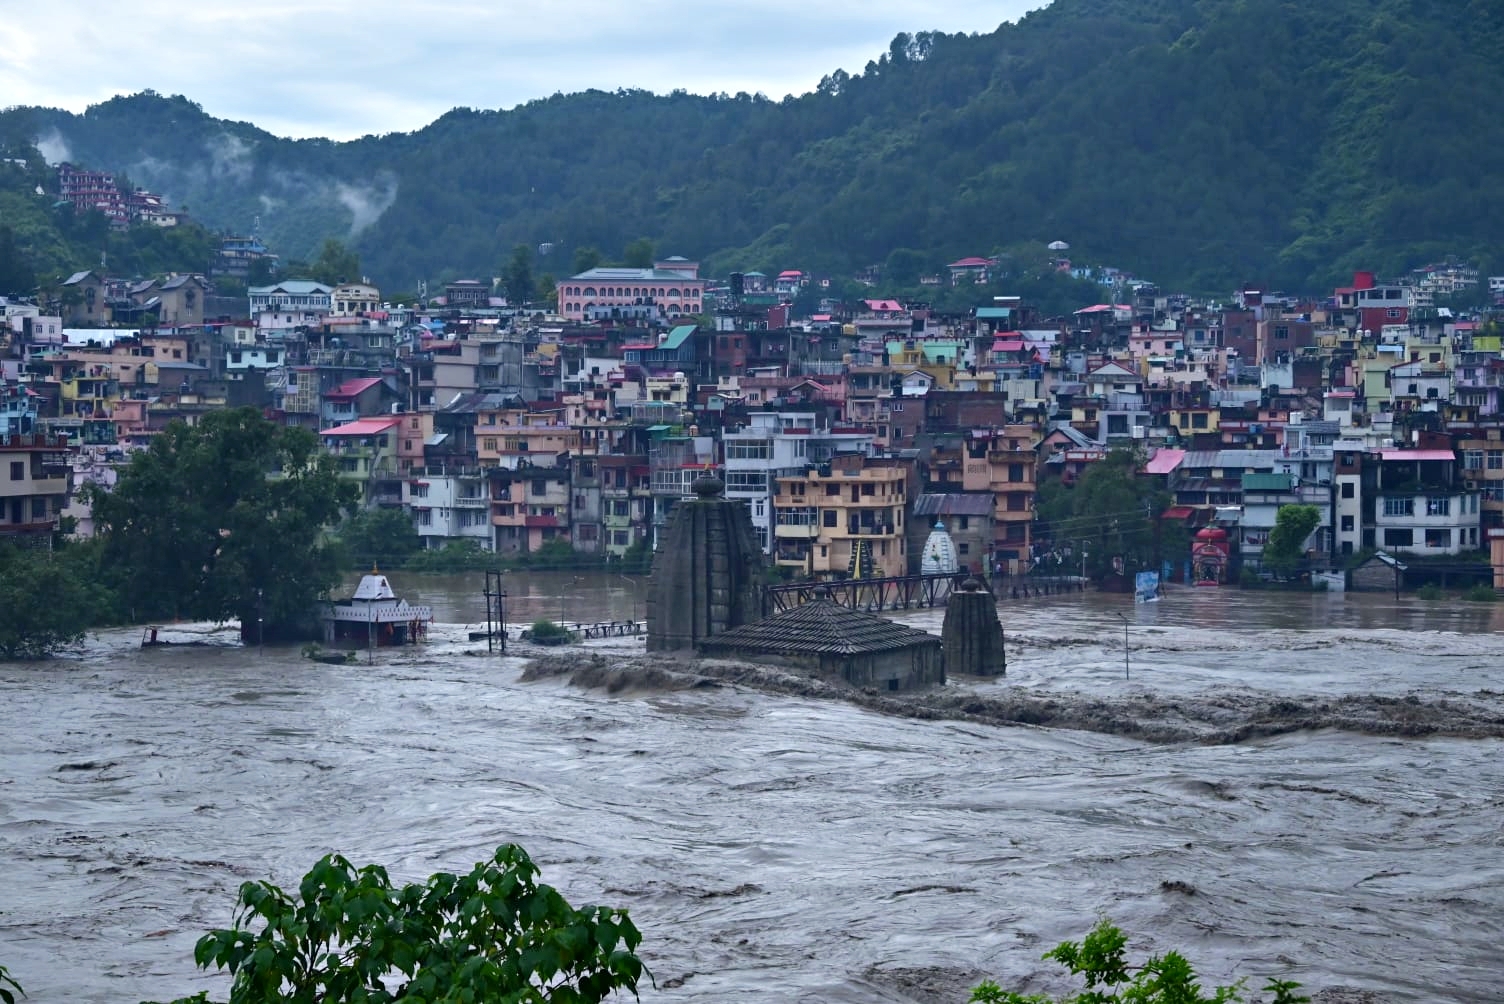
point(783, 848)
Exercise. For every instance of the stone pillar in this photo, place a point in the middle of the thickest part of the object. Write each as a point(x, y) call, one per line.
point(972, 635)
point(707, 574)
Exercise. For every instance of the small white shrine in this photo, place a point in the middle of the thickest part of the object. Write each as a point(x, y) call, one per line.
point(939, 555)
point(375, 616)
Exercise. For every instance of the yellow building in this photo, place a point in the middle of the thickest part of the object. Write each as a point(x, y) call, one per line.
point(844, 519)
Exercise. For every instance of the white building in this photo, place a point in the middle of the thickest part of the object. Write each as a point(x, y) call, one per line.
point(355, 299)
point(295, 303)
point(449, 505)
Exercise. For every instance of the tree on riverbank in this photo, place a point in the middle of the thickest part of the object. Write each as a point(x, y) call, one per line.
point(225, 520)
point(1286, 546)
point(349, 935)
point(1113, 514)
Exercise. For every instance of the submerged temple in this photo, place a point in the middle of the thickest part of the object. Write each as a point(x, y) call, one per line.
point(707, 574)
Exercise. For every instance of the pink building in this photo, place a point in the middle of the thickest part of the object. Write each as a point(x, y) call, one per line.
point(673, 284)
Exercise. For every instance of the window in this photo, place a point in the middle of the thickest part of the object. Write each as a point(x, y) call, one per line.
point(18, 470)
point(38, 507)
point(1347, 489)
point(1399, 538)
point(418, 492)
point(539, 487)
point(619, 538)
point(1347, 524)
point(1496, 460)
point(1281, 334)
point(832, 490)
point(828, 517)
point(1439, 538)
point(1198, 420)
point(1472, 460)
point(1015, 472)
point(1438, 506)
point(963, 548)
point(965, 523)
point(1399, 506)
point(747, 451)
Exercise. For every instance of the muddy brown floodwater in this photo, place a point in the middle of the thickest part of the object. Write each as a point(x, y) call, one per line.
point(1296, 785)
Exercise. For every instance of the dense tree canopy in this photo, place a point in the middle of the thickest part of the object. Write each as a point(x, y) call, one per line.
point(1109, 513)
point(225, 520)
point(1141, 131)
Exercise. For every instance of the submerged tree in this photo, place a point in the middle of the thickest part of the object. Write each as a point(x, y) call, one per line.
point(494, 934)
point(1101, 961)
point(225, 520)
point(1109, 511)
point(44, 605)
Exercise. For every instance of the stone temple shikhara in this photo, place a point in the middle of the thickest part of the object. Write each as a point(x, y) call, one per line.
point(707, 574)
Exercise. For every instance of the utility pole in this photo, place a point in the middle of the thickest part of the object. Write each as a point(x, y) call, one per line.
point(260, 624)
point(1125, 645)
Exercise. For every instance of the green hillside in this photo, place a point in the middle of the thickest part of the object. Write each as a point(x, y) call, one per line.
point(1198, 142)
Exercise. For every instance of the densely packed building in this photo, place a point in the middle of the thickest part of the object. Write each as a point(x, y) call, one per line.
point(849, 431)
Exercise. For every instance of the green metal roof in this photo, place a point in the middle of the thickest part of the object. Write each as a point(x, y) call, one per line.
point(659, 428)
point(678, 336)
point(1268, 482)
point(994, 313)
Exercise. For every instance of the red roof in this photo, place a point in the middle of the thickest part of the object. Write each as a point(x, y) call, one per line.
point(1177, 512)
point(1008, 345)
point(970, 263)
point(1417, 455)
point(790, 273)
point(877, 305)
point(363, 427)
point(352, 388)
point(1164, 461)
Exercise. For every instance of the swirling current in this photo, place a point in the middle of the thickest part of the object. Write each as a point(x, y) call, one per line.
point(780, 845)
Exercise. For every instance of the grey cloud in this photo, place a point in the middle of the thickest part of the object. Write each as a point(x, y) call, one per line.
point(382, 65)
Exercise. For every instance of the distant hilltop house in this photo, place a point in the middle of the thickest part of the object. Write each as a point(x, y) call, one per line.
point(974, 270)
point(236, 255)
point(88, 190)
point(673, 284)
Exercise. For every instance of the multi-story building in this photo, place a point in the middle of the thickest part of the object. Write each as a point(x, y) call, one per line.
point(366, 450)
point(776, 444)
point(34, 486)
point(1483, 469)
point(845, 518)
point(294, 303)
point(450, 504)
point(1421, 506)
point(530, 506)
point(673, 285)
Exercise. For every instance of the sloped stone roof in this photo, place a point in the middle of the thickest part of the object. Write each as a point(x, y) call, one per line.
point(822, 627)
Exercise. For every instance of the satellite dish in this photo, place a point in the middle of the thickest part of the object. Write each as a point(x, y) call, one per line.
point(1059, 246)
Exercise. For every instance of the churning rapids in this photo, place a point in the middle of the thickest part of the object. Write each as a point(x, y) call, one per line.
point(1302, 785)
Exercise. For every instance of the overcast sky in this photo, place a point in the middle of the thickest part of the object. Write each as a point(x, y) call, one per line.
point(340, 68)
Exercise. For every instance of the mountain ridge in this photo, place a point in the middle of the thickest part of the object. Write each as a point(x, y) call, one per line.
point(1200, 143)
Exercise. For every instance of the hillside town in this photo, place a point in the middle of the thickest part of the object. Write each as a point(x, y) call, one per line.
point(848, 431)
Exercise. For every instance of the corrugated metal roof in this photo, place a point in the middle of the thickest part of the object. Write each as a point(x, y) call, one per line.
point(362, 427)
point(957, 504)
point(678, 336)
point(821, 626)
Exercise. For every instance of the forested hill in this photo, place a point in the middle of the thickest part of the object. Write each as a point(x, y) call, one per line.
point(1198, 142)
